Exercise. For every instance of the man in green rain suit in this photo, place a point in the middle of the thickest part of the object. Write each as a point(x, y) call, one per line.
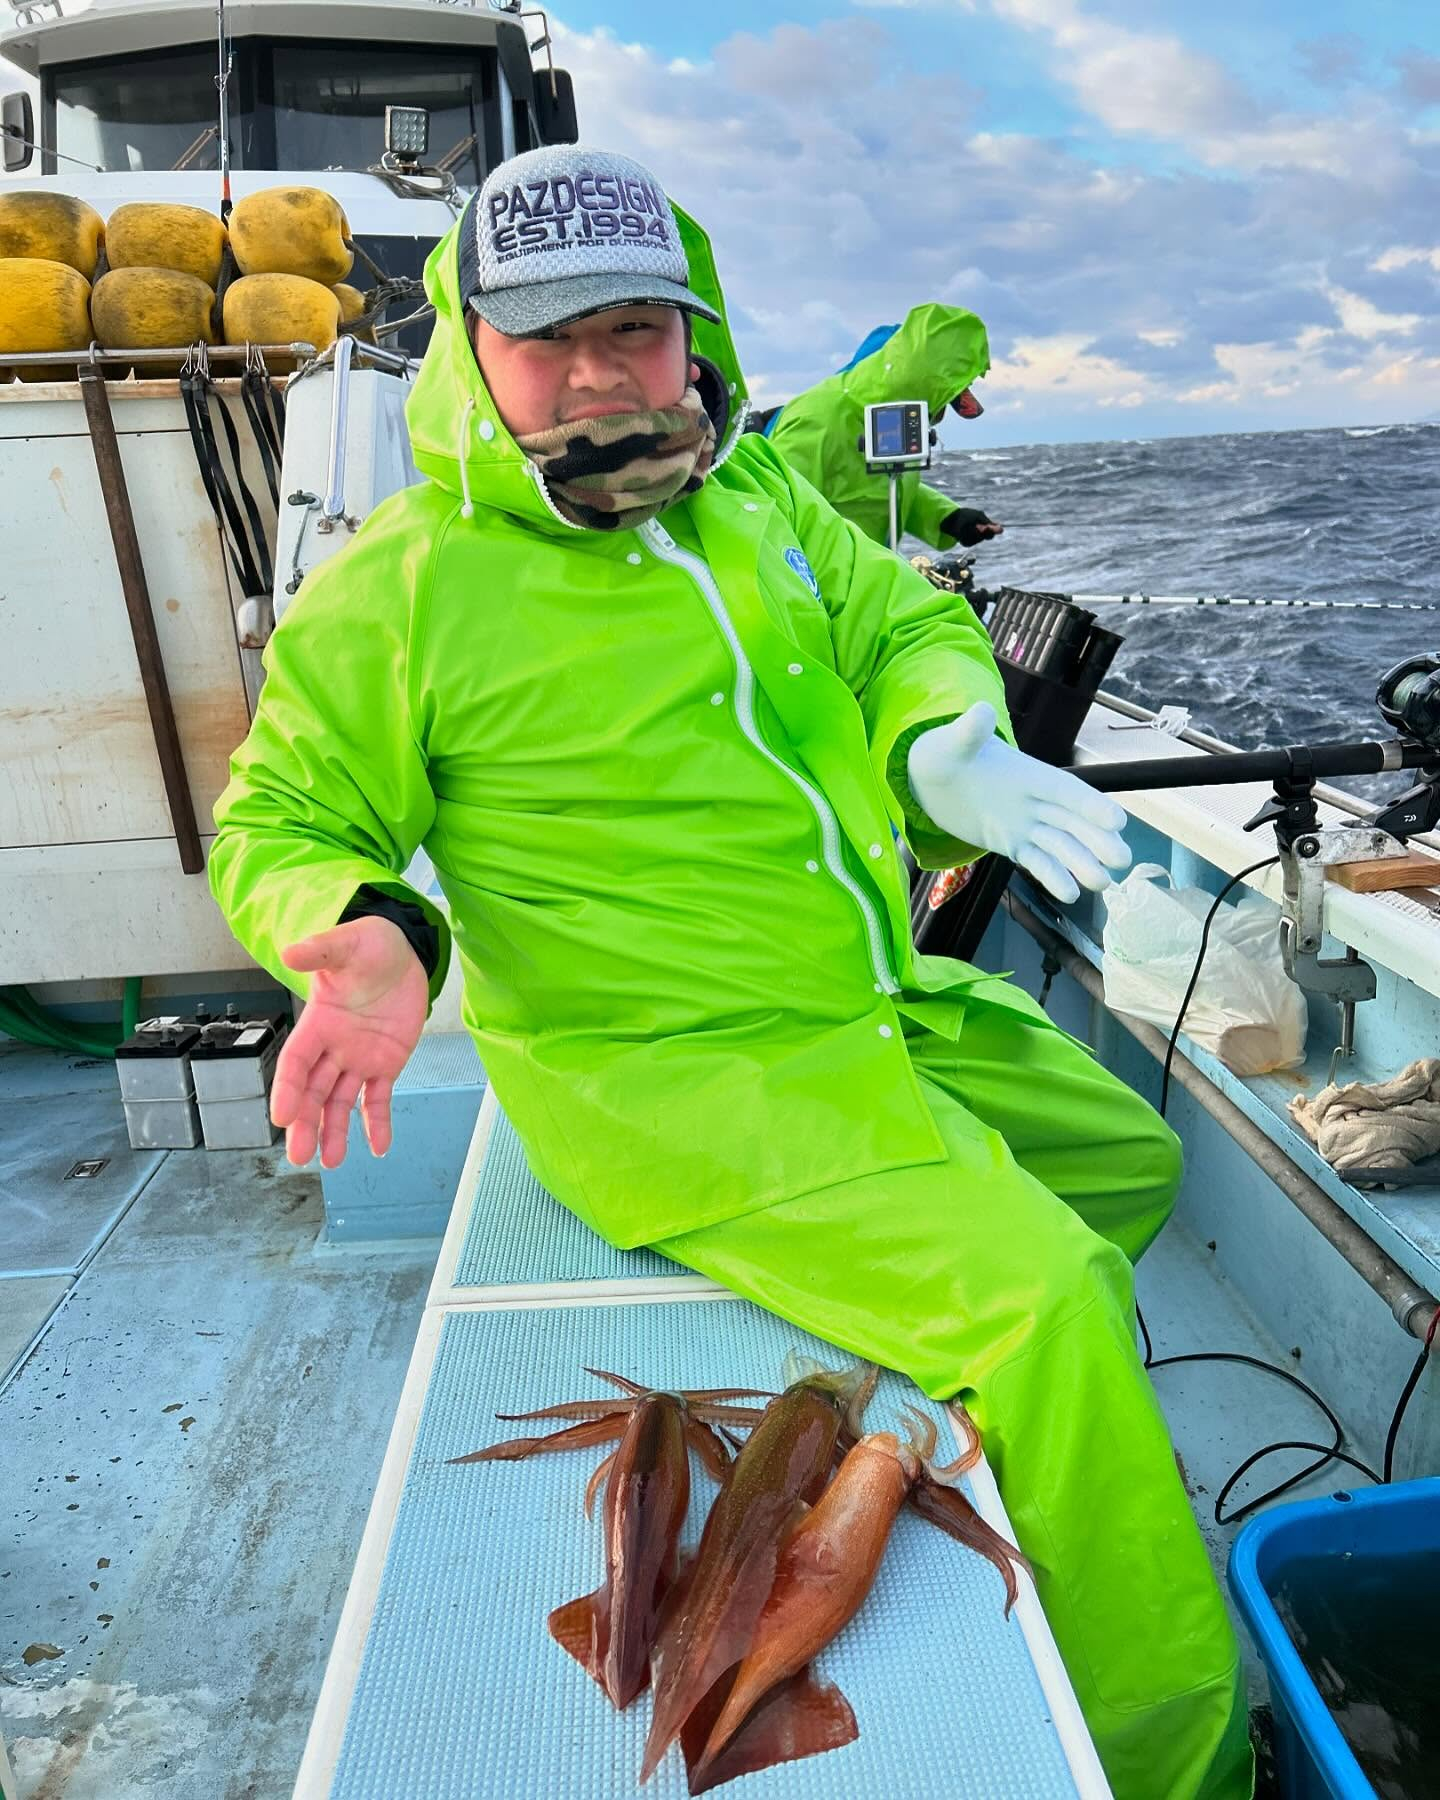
point(934, 356)
point(652, 707)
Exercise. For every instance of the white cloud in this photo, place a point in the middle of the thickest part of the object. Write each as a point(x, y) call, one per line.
point(1402, 257)
point(1307, 364)
point(1362, 319)
point(1103, 285)
point(1065, 367)
point(1157, 85)
point(812, 325)
point(1130, 80)
point(1408, 371)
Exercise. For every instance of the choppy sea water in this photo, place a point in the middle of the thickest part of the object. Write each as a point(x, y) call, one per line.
point(1341, 514)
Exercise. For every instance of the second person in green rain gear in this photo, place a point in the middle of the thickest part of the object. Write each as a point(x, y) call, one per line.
point(652, 707)
point(934, 356)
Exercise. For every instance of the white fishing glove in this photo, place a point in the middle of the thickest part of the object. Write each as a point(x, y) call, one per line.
point(977, 788)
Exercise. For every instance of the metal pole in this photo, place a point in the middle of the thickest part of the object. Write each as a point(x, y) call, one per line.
point(333, 507)
point(894, 510)
point(83, 359)
point(133, 585)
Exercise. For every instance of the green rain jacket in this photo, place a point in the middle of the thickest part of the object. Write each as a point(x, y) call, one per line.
point(933, 357)
point(656, 771)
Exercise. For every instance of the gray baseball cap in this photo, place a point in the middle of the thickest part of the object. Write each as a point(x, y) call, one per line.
point(560, 232)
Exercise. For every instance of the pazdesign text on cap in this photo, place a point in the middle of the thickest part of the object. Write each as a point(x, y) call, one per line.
point(595, 207)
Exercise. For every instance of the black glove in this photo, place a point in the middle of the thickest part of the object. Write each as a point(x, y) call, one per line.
point(420, 934)
point(969, 526)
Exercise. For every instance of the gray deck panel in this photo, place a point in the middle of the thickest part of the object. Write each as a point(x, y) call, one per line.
point(518, 1234)
point(48, 1225)
point(463, 1693)
point(26, 1302)
point(231, 1538)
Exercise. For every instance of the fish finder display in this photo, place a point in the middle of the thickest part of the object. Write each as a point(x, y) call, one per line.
point(890, 432)
point(897, 431)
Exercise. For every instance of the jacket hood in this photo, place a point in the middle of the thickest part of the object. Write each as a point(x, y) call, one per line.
point(936, 353)
point(450, 413)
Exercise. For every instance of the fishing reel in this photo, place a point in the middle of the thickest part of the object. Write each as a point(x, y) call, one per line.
point(953, 572)
point(1409, 699)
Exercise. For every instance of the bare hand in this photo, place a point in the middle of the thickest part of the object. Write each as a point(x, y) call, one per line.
point(367, 1007)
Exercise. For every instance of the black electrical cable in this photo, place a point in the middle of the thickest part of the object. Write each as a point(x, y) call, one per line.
point(1326, 1453)
point(1265, 863)
point(1405, 1394)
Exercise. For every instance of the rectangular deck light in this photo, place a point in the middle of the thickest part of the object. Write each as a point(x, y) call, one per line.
point(407, 132)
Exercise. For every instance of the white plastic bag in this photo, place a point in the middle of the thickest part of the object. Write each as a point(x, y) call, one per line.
point(1245, 1008)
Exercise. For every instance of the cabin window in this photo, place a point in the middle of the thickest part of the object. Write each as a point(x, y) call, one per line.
point(139, 112)
point(293, 104)
point(322, 106)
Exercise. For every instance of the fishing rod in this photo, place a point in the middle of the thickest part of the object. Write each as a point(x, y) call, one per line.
point(955, 571)
point(1408, 700)
point(1247, 600)
point(222, 84)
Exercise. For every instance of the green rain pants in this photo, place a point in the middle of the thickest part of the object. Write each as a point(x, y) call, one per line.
point(1003, 1275)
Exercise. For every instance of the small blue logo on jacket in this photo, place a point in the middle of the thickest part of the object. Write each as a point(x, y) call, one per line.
point(796, 560)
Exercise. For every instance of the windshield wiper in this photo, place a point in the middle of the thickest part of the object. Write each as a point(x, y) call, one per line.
point(207, 136)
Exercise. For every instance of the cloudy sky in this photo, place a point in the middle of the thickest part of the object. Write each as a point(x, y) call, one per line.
point(1172, 218)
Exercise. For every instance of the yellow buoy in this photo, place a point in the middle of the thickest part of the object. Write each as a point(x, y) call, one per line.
point(152, 309)
point(352, 302)
point(148, 235)
point(281, 309)
point(291, 231)
point(352, 307)
point(51, 228)
point(44, 305)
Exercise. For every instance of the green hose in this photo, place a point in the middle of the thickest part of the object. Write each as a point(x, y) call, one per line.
point(23, 1017)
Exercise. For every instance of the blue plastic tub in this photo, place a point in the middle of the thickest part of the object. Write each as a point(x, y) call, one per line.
point(1377, 1524)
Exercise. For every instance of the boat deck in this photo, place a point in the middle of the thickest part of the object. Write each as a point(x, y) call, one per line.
point(198, 1400)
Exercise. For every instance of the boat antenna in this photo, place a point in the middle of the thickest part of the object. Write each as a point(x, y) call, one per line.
point(222, 83)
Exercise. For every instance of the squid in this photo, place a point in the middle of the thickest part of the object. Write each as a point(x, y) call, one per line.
point(773, 1709)
point(611, 1633)
point(946, 1507)
point(784, 1464)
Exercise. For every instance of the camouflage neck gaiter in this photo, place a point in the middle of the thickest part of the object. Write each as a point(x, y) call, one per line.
point(614, 473)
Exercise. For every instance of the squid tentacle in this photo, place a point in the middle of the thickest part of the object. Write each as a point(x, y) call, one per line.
point(577, 1437)
point(573, 1409)
point(689, 1395)
point(970, 1431)
point(592, 1486)
point(707, 1445)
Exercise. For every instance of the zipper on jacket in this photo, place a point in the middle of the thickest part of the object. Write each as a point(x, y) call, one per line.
point(669, 551)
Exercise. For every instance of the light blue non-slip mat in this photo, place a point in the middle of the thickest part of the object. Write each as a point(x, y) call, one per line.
point(463, 1694)
point(516, 1233)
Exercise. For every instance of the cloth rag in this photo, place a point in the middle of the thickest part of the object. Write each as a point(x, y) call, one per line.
point(1375, 1125)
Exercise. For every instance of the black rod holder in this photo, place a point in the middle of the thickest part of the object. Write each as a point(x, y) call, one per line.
point(1313, 760)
